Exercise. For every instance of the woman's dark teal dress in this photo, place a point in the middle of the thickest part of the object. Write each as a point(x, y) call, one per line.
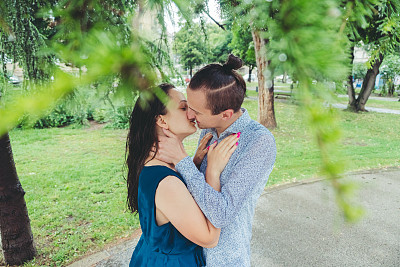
point(160, 245)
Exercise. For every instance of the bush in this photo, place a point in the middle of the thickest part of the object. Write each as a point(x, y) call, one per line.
point(82, 105)
point(99, 115)
point(120, 118)
point(341, 88)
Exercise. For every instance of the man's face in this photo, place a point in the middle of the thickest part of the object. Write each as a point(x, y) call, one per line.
point(198, 110)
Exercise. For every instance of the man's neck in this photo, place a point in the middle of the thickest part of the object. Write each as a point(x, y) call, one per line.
point(234, 117)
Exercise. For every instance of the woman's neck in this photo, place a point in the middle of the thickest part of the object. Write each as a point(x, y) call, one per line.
point(152, 162)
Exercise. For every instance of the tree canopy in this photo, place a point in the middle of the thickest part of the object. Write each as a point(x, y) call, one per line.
point(190, 47)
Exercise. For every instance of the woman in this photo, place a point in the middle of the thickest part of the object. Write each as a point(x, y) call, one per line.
point(174, 228)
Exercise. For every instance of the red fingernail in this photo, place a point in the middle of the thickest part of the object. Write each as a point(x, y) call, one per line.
point(208, 148)
point(238, 134)
point(215, 142)
point(237, 143)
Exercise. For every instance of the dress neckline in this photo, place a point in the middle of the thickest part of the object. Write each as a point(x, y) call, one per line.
point(160, 166)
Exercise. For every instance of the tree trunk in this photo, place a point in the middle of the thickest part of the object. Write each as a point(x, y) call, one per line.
point(250, 71)
point(266, 114)
point(350, 87)
point(284, 77)
point(368, 84)
point(390, 88)
point(16, 233)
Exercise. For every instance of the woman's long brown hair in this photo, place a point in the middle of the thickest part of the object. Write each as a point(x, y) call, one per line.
point(142, 136)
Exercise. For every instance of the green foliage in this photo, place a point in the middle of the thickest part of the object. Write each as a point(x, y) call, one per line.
point(120, 117)
point(359, 70)
point(123, 56)
point(75, 108)
point(390, 67)
point(304, 40)
point(355, 16)
point(242, 43)
point(190, 47)
point(23, 41)
point(382, 32)
point(218, 42)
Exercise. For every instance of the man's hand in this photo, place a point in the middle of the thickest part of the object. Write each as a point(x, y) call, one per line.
point(170, 148)
point(202, 150)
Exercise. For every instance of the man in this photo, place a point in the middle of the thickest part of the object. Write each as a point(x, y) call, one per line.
point(215, 95)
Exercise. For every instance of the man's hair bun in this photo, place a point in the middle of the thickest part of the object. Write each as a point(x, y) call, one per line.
point(233, 63)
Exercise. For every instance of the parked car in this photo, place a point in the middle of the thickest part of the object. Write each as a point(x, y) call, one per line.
point(14, 80)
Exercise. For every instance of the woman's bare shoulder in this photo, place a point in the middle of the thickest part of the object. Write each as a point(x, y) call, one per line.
point(171, 183)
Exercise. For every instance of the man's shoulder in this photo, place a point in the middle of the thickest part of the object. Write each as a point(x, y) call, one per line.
point(257, 130)
point(203, 132)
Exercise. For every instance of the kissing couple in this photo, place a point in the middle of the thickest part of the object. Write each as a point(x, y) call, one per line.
point(197, 211)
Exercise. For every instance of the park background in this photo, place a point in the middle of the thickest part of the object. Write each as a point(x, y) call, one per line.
point(72, 70)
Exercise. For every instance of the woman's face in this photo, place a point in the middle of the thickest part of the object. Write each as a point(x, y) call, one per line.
point(176, 117)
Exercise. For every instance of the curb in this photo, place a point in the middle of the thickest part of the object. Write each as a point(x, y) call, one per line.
point(280, 187)
point(94, 259)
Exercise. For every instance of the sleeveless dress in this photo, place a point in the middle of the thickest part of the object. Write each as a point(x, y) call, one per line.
point(160, 245)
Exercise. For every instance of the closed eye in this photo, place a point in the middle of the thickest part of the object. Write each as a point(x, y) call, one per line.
point(184, 107)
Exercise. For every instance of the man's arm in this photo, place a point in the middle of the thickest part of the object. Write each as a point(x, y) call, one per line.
point(221, 207)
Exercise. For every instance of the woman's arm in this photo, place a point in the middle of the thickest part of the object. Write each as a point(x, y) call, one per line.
point(177, 204)
point(217, 158)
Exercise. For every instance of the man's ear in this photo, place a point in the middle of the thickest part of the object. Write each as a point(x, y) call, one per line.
point(227, 114)
point(160, 121)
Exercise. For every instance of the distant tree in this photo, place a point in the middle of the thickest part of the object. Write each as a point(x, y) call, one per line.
point(354, 18)
point(243, 46)
point(218, 43)
point(390, 69)
point(359, 70)
point(190, 46)
point(379, 33)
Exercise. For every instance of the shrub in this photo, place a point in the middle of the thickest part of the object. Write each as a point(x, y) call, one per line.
point(120, 118)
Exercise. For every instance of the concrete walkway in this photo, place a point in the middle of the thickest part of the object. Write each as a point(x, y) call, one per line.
point(381, 98)
point(299, 225)
point(379, 110)
point(343, 106)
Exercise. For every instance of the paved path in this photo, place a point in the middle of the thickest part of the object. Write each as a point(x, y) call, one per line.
point(343, 106)
point(299, 225)
point(382, 98)
point(379, 110)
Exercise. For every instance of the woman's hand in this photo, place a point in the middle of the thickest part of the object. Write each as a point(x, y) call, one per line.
point(202, 150)
point(217, 158)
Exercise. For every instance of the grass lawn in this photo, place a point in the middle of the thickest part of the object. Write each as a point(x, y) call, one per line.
point(76, 194)
point(75, 191)
point(370, 140)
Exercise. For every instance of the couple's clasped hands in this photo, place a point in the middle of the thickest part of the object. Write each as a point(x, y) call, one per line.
point(171, 150)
